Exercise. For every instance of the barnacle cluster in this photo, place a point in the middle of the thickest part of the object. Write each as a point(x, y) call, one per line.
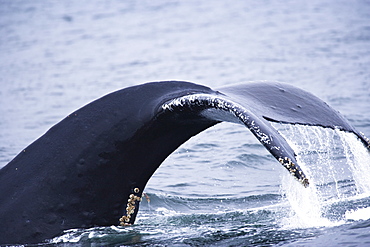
point(130, 209)
point(209, 101)
point(294, 170)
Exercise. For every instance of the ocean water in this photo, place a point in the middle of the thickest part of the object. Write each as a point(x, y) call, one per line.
point(221, 188)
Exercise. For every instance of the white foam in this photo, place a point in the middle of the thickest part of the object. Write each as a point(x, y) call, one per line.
point(166, 212)
point(358, 214)
point(69, 236)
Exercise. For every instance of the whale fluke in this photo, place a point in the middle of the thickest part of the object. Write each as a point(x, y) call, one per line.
point(91, 168)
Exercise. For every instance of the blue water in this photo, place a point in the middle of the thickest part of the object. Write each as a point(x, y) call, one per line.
point(221, 188)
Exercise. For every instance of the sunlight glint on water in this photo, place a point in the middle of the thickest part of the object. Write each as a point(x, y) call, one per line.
point(336, 164)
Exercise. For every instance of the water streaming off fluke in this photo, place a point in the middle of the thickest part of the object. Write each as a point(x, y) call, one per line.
point(337, 164)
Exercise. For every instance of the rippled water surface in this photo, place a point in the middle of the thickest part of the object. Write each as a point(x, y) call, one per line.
point(221, 188)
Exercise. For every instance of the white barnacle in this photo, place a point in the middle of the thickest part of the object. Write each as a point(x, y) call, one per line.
point(275, 147)
point(166, 107)
point(265, 138)
point(366, 139)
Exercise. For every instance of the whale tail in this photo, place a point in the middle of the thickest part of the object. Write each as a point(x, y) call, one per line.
point(92, 167)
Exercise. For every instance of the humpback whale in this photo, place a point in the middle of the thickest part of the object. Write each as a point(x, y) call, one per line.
point(91, 168)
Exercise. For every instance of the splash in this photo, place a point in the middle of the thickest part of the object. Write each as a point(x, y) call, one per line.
point(358, 161)
point(336, 163)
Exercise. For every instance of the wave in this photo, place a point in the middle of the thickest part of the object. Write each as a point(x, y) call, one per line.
point(253, 221)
